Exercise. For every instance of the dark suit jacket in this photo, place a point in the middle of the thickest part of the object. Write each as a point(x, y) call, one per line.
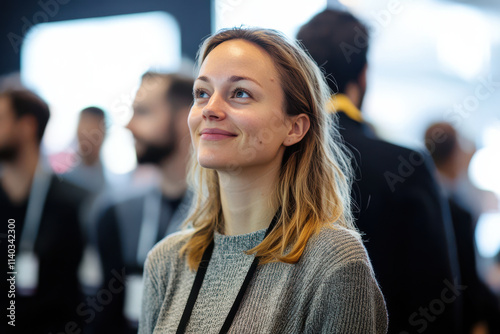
point(118, 233)
point(480, 303)
point(59, 248)
point(408, 233)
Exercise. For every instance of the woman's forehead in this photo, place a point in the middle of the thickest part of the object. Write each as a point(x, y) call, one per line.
point(239, 57)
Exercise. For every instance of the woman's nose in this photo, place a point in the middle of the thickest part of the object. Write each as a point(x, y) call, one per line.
point(214, 109)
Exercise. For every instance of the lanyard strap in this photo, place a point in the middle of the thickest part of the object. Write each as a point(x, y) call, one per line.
point(149, 226)
point(200, 275)
point(153, 210)
point(36, 202)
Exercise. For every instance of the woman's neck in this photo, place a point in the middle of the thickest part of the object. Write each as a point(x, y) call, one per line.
point(246, 199)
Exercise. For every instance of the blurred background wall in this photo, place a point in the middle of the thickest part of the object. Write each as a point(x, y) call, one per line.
point(192, 16)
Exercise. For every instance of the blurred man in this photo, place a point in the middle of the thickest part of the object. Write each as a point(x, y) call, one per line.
point(90, 175)
point(128, 230)
point(44, 227)
point(481, 309)
point(91, 131)
point(407, 230)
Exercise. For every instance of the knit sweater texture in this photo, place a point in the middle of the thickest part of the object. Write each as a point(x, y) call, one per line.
point(331, 289)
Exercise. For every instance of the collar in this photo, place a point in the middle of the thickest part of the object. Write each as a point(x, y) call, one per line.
point(340, 102)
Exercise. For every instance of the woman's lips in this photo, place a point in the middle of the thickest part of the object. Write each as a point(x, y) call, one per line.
point(215, 136)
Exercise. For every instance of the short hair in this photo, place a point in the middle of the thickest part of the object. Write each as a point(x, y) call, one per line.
point(338, 42)
point(179, 93)
point(313, 189)
point(441, 149)
point(26, 103)
point(95, 111)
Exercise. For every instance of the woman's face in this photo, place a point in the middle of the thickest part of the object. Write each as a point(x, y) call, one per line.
point(237, 118)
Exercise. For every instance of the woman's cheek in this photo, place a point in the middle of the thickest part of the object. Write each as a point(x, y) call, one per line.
point(193, 123)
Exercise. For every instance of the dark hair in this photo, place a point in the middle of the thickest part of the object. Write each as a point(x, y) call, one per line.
point(441, 140)
point(338, 42)
point(27, 103)
point(179, 92)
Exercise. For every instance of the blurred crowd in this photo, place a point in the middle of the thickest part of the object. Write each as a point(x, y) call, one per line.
point(82, 236)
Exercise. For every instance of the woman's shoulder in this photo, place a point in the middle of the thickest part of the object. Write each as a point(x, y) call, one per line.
point(169, 247)
point(335, 246)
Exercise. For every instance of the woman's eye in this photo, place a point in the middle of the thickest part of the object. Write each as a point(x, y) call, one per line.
point(240, 93)
point(200, 94)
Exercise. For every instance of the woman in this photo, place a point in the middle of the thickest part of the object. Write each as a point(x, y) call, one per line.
point(272, 247)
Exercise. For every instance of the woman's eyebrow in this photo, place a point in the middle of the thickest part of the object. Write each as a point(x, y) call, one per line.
point(234, 78)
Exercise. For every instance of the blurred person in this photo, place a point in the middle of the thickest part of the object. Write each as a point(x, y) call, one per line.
point(452, 161)
point(272, 248)
point(91, 131)
point(130, 228)
point(86, 168)
point(44, 213)
point(89, 173)
point(475, 200)
point(398, 208)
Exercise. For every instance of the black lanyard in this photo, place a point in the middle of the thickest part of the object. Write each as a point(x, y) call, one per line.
point(200, 275)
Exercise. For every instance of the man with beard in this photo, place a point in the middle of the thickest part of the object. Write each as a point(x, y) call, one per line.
point(40, 227)
point(128, 230)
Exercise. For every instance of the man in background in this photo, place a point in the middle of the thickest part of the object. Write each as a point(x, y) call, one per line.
point(481, 307)
point(91, 131)
point(45, 219)
point(407, 230)
point(129, 229)
point(89, 174)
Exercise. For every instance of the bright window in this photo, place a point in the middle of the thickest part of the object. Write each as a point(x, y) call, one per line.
point(75, 64)
point(284, 15)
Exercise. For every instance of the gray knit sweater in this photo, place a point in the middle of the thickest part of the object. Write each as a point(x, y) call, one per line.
point(332, 289)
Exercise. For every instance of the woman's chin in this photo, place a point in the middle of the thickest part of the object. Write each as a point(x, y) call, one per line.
point(212, 162)
point(220, 165)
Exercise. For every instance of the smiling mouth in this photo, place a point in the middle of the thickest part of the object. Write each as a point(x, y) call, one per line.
point(216, 136)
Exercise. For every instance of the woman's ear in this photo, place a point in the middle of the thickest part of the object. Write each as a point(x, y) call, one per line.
point(299, 125)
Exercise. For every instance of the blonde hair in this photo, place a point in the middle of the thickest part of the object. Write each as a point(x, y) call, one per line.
point(313, 189)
